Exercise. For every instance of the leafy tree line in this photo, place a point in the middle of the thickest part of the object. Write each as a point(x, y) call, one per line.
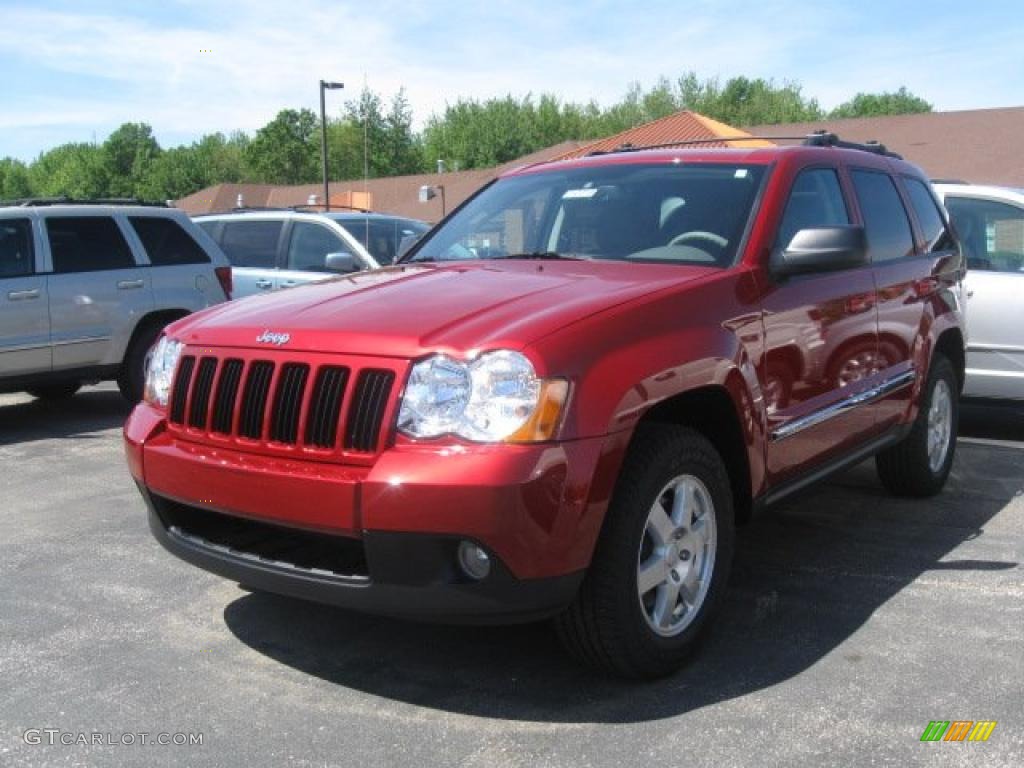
point(379, 139)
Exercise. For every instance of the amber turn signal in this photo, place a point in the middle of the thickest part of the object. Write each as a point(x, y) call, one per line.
point(544, 421)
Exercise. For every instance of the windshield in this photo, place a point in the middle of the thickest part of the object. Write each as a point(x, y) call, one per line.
point(665, 212)
point(382, 236)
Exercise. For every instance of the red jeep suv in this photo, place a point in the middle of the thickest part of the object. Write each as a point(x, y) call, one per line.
point(564, 398)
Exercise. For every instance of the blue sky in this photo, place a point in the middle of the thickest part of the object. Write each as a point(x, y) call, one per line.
point(74, 71)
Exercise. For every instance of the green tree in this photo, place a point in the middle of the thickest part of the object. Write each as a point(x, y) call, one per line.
point(74, 170)
point(899, 102)
point(129, 152)
point(14, 181)
point(742, 101)
point(285, 150)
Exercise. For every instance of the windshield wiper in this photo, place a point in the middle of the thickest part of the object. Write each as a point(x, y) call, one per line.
point(545, 255)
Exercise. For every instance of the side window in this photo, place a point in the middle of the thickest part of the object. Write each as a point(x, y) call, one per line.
point(359, 229)
point(251, 243)
point(310, 243)
point(992, 233)
point(885, 219)
point(816, 200)
point(16, 255)
point(936, 235)
point(87, 244)
point(166, 242)
point(209, 227)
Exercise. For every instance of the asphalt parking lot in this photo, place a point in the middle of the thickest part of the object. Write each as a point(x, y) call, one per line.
point(853, 620)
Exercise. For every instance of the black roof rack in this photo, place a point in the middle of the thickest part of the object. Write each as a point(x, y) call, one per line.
point(307, 208)
point(816, 139)
point(828, 139)
point(32, 202)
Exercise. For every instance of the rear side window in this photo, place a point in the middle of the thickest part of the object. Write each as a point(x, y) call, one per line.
point(251, 243)
point(885, 219)
point(816, 200)
point(992, 233)
point(166, 242)
point(87, 244)
point(936, 235)
point(16, 248)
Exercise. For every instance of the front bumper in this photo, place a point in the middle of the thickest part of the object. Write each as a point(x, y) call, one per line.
point(533, 508)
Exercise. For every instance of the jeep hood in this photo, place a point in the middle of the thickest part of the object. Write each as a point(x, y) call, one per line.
point(411, 310)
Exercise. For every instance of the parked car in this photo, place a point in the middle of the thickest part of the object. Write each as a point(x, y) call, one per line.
point(990, 221)
point(85, 290)
point(555, 404)
point(284, 248)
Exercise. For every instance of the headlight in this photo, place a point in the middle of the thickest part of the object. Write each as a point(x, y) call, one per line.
point(496, 397)
point(160, 366)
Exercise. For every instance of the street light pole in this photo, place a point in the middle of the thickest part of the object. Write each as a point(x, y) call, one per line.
point(325, 86)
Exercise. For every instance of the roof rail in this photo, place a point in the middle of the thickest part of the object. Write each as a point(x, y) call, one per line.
point(948, 181)
point(825, 138)
point(32, 202)
point(816, 139)
point(321, 208)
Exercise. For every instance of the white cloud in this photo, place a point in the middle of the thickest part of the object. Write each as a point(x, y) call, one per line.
point(266, 55)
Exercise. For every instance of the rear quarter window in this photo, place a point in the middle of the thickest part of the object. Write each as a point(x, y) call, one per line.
point(166, 242)
point(16, 254)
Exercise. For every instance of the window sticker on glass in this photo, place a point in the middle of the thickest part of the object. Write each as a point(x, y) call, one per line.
point(741, 173)
point(577, 193)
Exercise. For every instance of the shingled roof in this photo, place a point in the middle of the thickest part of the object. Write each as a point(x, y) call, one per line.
point(978, 145)
point(680, 126)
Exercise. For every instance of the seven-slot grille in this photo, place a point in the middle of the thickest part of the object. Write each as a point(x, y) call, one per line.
point(282, 403)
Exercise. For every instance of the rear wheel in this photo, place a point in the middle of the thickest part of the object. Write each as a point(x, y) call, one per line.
point(921, 462)
point(662, 562)
point(132, 377)
point(60, 390)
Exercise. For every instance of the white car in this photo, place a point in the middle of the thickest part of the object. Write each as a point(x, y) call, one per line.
point(990, 222)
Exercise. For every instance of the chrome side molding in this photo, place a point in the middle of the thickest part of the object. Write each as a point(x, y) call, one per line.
point(887, 387)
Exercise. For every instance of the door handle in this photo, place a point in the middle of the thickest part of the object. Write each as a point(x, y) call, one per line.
point(264, 284)
point(127, 285)
point(32, 293)
point(288, 283)
point(970, 294)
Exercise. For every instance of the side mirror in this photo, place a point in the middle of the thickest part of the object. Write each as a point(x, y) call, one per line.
point(406, 243)
point(340, 262)
point(821, 249)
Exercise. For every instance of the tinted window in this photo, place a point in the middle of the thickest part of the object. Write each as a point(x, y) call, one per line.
point(166, 242)
point(885, 219)
point(209, 227)
point(992, 233)
point(251, 243)
point(935, 234)
point(87, 244)
point(16, 257)
point(310, 243)
point(816, 200)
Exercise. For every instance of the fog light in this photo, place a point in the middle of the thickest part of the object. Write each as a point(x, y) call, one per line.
point(473, 560)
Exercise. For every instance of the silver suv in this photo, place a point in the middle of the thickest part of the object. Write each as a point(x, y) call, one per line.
point(85, 289)
point(274, 249)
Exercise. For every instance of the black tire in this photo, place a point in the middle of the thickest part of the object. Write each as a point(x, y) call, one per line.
point(906, 468)
point(607, 626)
point(58, 390)
point(132, 377)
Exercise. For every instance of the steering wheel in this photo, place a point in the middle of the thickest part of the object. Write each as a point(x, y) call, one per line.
point(699, 234)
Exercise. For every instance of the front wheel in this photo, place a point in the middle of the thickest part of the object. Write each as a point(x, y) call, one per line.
point(662, 561)
point(132, 377)
point(921, 462)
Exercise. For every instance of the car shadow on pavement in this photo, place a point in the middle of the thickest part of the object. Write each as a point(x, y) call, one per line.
point(807, 575)
point(90, 411)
